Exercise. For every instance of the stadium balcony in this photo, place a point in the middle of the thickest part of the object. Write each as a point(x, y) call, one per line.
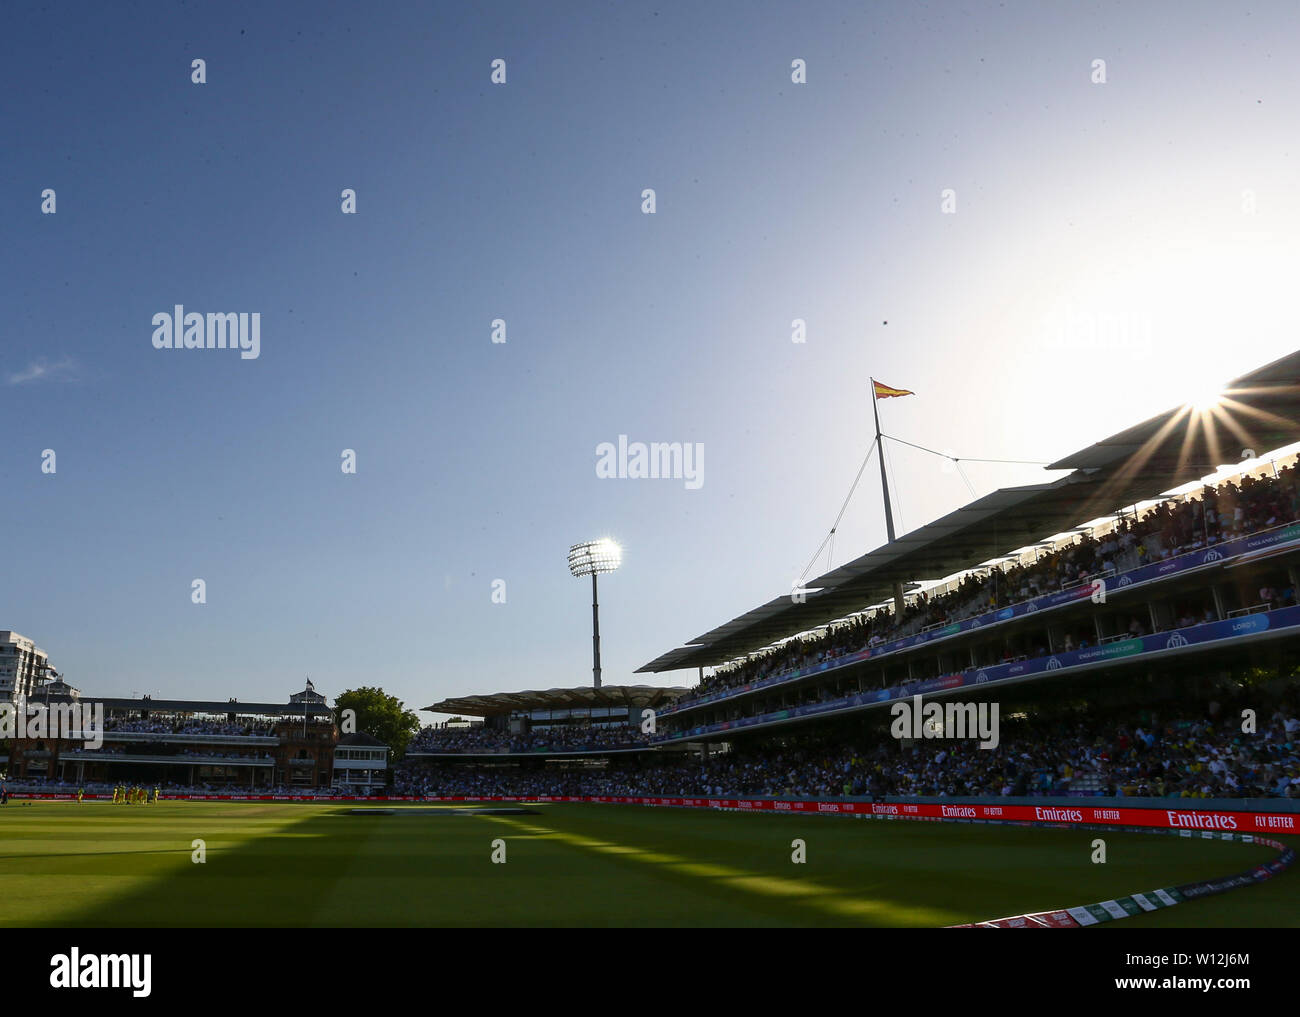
point(125, 737)
point(1231, 636)
point(1277, 539)
point(195, 759)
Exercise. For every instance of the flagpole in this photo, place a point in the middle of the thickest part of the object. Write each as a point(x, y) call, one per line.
point(884, 486)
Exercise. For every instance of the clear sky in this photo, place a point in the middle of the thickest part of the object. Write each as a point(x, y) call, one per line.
point(1115, 249)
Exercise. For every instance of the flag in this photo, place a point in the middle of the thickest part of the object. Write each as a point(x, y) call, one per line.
point(885, 392)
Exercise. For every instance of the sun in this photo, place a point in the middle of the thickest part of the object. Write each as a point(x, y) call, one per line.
point(1207, 400)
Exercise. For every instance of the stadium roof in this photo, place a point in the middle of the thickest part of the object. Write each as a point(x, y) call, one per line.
point(359, 738)
point(1262, 407)
point(1259, 411)
point(203, 706)
point(632, 696)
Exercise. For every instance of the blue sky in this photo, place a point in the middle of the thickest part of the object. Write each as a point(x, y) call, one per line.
point(1116, 248)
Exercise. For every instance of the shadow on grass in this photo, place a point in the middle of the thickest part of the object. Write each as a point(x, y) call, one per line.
point(91, 854)
point(271, 880)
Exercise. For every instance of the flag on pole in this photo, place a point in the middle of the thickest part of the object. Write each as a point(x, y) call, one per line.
point(885, 392)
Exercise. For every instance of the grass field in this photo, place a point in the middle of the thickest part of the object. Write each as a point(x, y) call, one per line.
point(99, 865)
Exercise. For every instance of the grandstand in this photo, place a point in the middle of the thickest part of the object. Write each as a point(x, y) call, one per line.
point(533, 739)
point(191, 745)
point(1122, 616)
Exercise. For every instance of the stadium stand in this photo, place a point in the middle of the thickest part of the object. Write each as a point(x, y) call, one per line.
point(1188, 753)
point(191, 744)
point(480, 739)
point(1169, 528)
point(1126, 618)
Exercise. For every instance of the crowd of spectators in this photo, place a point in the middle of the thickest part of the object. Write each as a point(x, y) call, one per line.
point(1171, 528)
point(1185, 754)
point(143, 750)
point(35, 785)
point(1193, 752)
point(188, 726)
point(547, 739)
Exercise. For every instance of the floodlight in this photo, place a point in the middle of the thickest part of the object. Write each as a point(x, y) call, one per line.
point(591, 559)
point(594, 556)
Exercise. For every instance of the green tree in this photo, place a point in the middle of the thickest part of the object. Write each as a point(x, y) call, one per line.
point(378, 714)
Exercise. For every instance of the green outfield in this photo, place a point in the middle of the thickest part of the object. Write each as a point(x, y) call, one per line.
point(94, 864)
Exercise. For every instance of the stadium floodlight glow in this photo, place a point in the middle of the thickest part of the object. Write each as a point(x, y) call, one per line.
point(1207, 400)
point(594, 556)
point(591, 559)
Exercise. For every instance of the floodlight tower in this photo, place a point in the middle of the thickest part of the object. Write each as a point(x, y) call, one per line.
point(591, 559)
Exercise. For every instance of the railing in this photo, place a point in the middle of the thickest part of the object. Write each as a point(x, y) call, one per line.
point(1090, 581)
point(92, 756)
point(114, 735)
point(1278, 622)
point(586, 750)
